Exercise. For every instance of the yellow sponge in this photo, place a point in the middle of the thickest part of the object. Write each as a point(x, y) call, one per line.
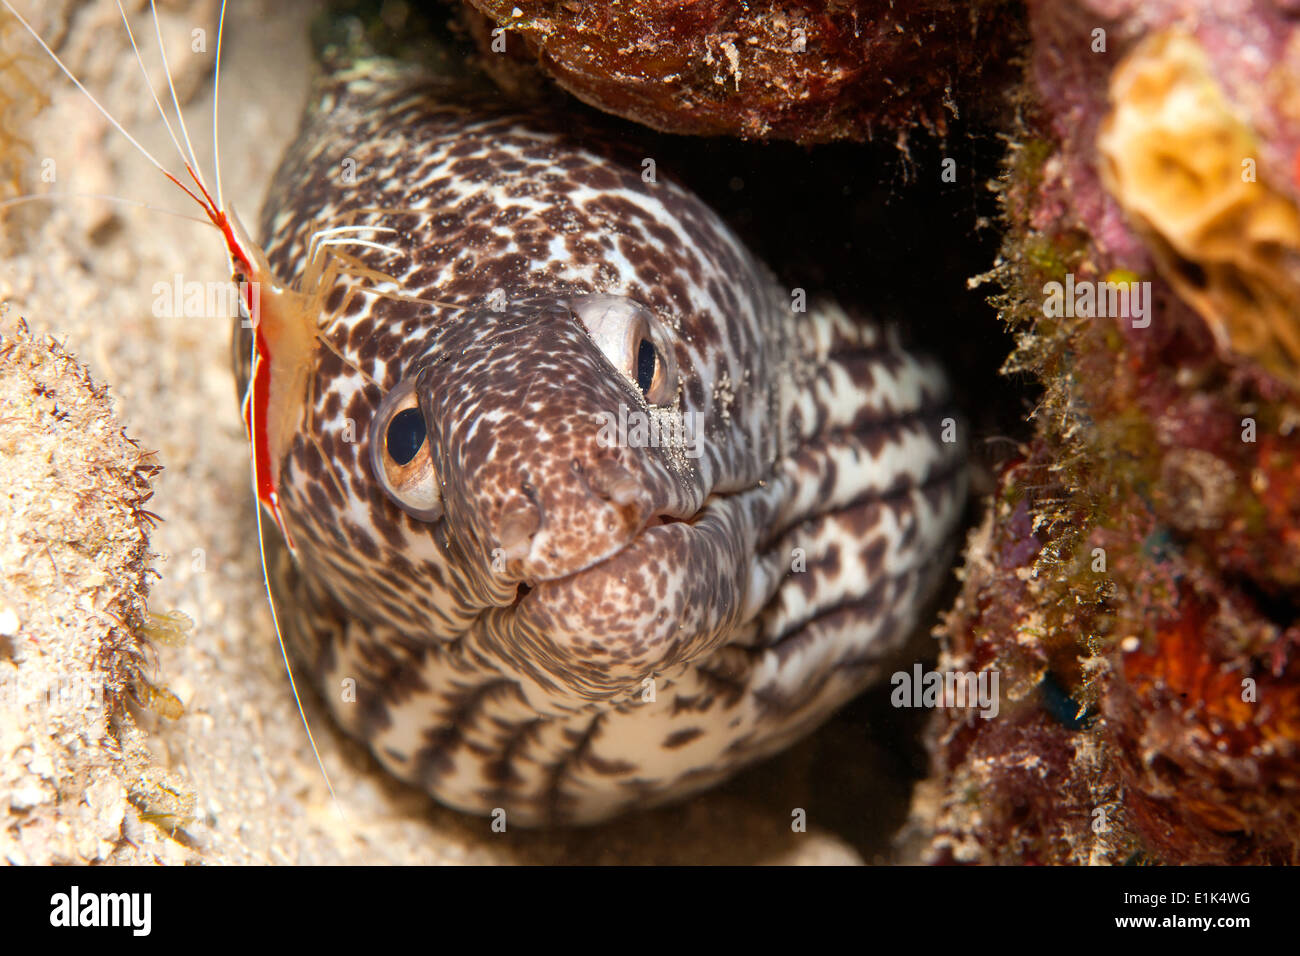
point(1182, 164)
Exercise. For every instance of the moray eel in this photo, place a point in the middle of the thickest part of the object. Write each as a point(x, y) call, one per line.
point(505, 579)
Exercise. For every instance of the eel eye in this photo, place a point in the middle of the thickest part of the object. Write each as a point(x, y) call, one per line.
point(400, 456)
point(406, 435)
point(649, 368)
point(633, 340)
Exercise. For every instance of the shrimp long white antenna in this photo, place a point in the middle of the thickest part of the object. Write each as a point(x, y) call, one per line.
point(99, 106)
point(147, 82)
point(270, 600)
point(197, 171)
point(106, 197)
point(216, 93)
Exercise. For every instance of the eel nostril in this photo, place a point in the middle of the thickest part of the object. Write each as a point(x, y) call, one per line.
point(516, 527)
point(614, 483)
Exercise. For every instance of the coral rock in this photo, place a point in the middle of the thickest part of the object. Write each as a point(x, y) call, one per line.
point(1137, 582)
point(810, 72)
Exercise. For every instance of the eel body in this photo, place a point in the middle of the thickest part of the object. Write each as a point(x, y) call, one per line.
point(586, 513)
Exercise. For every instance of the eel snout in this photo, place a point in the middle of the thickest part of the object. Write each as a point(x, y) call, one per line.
point(548, 458)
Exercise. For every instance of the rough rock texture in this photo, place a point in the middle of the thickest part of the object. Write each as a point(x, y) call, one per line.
point(232, 779)
point(805, 71)
point(76, 777)
point(1137, 581)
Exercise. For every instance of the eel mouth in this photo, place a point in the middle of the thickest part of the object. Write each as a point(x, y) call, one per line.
point(539, 554)
point(666, 540)
point(605, 562)
point(662, 599)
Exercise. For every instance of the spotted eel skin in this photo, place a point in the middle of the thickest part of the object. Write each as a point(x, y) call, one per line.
point(578, 627)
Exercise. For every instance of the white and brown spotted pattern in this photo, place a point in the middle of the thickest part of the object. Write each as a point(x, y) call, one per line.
point(528, 687)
